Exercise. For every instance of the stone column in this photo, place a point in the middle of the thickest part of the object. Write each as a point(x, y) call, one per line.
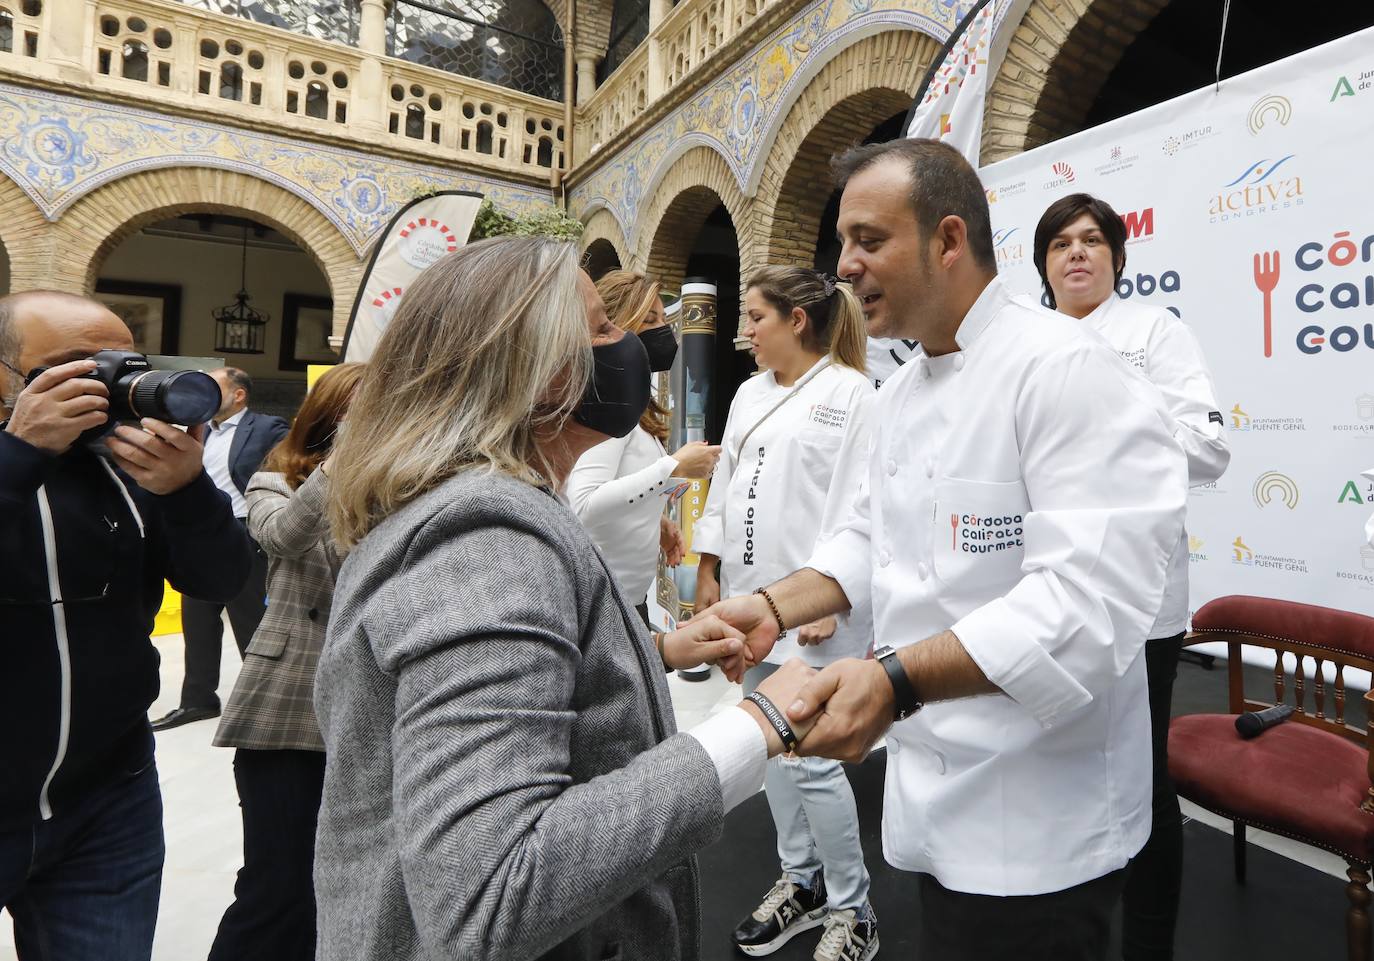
point(658, 9)
point(586, 77)
point(369, 97)
point(63, 37)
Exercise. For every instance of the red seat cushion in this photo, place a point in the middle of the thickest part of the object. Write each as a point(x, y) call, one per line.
point(1292, 779)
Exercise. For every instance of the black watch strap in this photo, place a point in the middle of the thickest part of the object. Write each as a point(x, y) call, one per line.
point(905, 700)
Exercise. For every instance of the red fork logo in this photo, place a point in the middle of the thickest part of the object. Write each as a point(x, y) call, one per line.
point(1266, 279)
point(954, 532)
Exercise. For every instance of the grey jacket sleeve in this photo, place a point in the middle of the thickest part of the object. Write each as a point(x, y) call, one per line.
point(287, 523)
point(503, 855)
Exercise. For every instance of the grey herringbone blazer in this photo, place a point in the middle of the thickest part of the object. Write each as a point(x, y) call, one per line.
point(272, 707)
point(503, 778)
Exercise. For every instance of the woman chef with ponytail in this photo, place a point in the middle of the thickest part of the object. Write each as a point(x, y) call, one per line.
point(795, 434)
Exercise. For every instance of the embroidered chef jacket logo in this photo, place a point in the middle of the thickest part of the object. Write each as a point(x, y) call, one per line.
point(979, 534)
point(1136, 358)
point(749, 514)
point(828, 416)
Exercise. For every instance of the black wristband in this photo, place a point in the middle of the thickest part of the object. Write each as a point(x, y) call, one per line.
point(905, 700)
point(777, 719)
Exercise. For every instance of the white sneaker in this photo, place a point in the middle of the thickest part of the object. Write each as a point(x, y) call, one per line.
point(847, 938)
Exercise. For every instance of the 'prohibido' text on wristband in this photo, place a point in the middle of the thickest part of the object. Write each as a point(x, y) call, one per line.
point(776, 718)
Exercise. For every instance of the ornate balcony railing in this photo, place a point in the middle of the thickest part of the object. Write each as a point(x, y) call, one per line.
point(681, 39)
point(168, 55)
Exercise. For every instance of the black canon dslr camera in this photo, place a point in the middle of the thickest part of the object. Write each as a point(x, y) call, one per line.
point(137, 390)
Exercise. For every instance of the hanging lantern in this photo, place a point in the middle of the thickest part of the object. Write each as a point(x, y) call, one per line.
point(239, 327)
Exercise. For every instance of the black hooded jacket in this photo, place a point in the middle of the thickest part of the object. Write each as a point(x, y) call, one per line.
point(77, 677)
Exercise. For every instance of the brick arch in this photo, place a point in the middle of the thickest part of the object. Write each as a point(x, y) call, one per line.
point(602, 227)
point(678, 206)
point(793, 195)
point(876, 56)
point(24, 236)
point(100, 221)
point(1060, 56)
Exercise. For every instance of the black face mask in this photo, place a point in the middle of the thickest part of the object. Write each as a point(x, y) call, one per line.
point(662, 347)
point(618, 393)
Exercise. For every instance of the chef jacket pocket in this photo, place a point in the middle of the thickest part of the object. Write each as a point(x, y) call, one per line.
point(817, 452)
point(979, 533)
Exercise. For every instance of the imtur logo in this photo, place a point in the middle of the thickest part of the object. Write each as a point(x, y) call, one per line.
point(1270, 109)
point(1272, 485)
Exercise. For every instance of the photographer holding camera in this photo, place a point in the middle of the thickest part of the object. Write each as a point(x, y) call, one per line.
point(90, 525)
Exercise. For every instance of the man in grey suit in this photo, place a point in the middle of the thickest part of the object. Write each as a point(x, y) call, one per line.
point(236, 442)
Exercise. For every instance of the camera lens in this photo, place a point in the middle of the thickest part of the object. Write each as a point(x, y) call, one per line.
point(175, 396)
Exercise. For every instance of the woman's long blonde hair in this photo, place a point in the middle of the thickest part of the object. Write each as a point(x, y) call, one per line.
point(489, 347)
point(836, 318)
point(629, 297)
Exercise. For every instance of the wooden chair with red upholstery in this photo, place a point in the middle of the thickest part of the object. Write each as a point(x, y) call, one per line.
point(1310, 778)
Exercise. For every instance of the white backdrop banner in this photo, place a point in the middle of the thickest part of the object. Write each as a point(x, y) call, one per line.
point(1248, 214)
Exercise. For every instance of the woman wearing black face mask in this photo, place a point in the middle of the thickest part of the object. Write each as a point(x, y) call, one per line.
point(618, 489)
point(503, 779)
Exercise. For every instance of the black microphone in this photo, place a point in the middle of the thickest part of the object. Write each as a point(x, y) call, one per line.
point(1252, 723)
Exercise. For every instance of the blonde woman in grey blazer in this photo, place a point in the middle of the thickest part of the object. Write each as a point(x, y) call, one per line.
point(504, 780)
point(270, 717)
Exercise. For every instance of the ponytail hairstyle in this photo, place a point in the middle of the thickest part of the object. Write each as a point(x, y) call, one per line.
point(836, 317)
point(629, 297)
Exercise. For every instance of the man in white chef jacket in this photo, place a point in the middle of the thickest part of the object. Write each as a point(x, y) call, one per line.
point(1080, 253)
point(1023, 497)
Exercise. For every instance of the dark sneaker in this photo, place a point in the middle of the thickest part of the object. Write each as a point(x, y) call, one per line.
point(848, 937)
point(786, 911)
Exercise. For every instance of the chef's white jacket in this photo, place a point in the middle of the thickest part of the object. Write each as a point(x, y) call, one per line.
point(618, 490)
point(768, 501)
point(886, 355)
point(1163, 348)
point(1025, 492)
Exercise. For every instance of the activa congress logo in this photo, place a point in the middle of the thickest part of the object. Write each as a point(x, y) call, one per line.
point(1273, 487)
point(1264, 187)
point(1010, 247)
point(1244, 556)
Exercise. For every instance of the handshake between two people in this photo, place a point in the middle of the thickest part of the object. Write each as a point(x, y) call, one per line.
point(838, 712)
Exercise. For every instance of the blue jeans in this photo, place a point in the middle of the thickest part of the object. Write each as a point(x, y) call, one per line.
point(84, 886)
point(817, 820)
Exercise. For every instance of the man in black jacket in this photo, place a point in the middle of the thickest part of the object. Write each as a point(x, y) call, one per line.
point(88, 532)
point(236, 441)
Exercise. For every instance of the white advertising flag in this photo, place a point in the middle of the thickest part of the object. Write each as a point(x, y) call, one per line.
point(420, 234)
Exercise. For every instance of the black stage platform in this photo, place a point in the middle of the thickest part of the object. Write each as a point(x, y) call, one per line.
point(1285, 911)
